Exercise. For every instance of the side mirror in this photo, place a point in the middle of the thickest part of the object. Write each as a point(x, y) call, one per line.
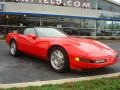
point(32, 36)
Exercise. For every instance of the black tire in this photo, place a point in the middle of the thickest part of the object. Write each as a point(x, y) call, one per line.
point(13, 48)
point(65, 66)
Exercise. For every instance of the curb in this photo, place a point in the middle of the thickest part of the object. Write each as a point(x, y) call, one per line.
point(54, 82)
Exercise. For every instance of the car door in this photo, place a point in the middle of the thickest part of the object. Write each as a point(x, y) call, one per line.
point(26, 43)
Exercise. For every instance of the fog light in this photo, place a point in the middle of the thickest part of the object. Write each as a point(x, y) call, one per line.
point(99, 61)
point(77, 59)
point(82, 60)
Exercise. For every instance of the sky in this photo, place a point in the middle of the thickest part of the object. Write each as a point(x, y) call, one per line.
point(117, 1)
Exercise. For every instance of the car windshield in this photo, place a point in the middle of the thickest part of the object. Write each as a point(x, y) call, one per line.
point(49, 32)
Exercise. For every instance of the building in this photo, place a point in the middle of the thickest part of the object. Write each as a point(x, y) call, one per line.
point(75, 17)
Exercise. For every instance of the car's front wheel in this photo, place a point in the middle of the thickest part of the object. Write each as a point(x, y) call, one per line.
point(13, 48)
point(59, 59)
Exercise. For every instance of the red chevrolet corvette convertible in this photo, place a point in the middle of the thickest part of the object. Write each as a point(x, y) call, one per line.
point(62, 51)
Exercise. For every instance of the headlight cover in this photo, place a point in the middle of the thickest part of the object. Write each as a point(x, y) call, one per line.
point(90, 61)
point(99, 61)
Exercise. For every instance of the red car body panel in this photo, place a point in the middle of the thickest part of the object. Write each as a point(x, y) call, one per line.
point(75, 47)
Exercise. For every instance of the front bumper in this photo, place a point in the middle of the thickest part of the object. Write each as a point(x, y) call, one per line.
point(86, 65)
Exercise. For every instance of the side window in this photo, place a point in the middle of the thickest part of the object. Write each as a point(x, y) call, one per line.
point(29, 31)
point(21, 30)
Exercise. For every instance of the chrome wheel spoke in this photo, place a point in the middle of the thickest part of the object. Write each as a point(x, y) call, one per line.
point(57, 59)
point(13, 48)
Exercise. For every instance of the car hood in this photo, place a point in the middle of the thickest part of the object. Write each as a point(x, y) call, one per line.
point(90, 47)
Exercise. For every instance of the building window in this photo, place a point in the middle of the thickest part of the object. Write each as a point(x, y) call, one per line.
point(51, 21)
point(88, 27)
point(116, 28)
point(104, 28)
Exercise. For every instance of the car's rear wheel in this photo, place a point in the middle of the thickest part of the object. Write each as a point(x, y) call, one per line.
point(59, 59)
point(13, 48)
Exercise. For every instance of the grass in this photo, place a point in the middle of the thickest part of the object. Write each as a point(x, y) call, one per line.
point(2, 38)
point(100, 84)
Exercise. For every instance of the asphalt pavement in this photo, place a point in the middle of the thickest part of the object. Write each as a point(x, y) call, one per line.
point(28, 69)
